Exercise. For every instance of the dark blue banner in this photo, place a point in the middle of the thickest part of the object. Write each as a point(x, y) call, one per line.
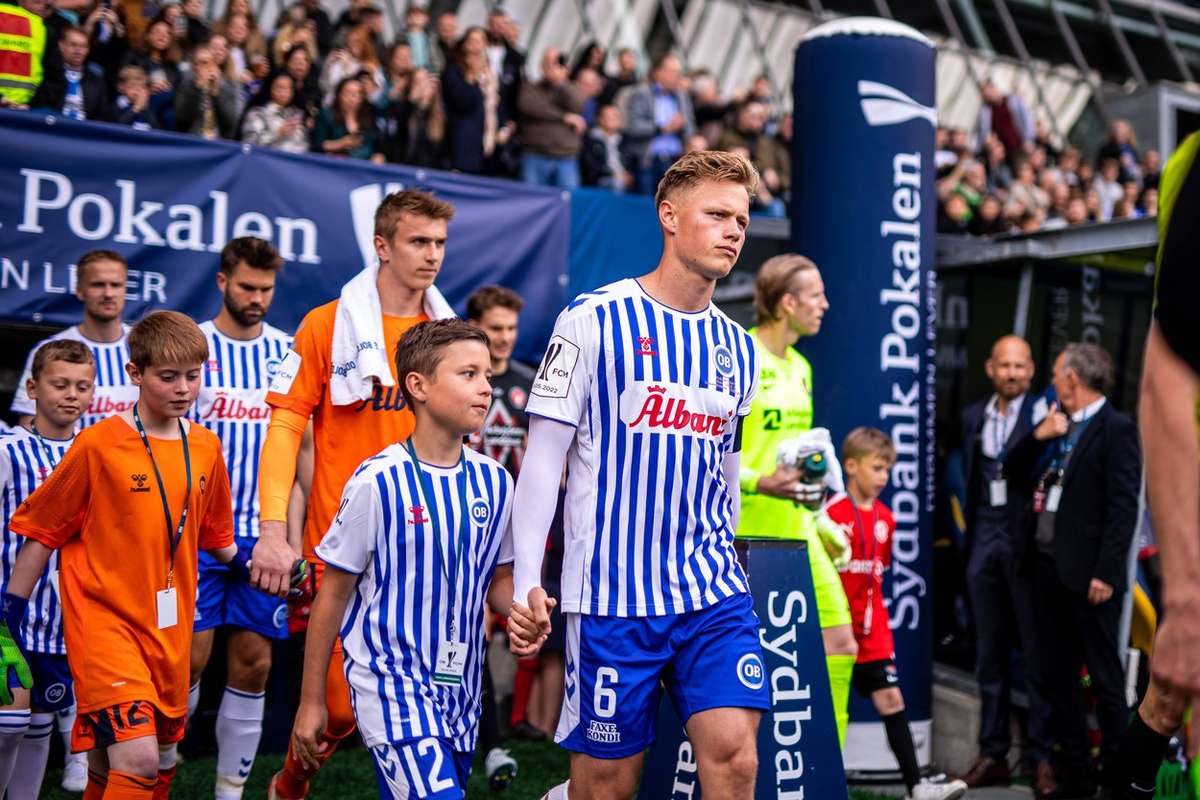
point(798, 753)
point(169, 202)
point(864, 207)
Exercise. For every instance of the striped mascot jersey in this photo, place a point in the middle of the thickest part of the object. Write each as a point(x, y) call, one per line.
point(26, 460)
point(655, 395)
point(114, 392)
point(404, 546)
point(232, 403)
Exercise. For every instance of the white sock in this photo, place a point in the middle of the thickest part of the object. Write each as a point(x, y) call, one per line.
point(193, 698)
point(66, 723)
point(27, 774)
point(13, 726)
point(557, 793)
point(239, 727)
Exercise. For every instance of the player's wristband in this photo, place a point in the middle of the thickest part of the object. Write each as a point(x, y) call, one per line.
point(748, 480)
point(14, 609)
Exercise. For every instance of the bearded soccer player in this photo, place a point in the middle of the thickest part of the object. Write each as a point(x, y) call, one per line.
point(100, 285)
point(1169, 416)
point(243, 354)
point(642, 390)
point(341, 373)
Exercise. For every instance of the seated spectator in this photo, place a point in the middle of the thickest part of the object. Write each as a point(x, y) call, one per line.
point(772, 161)
point(207, 103)
point(1121, 145)
point(342, 63)
point(421, 42)
point(413, 122)
point(273, 120)
point(292, 28)
point(1151, 168)
point(470, 94)
point(588, 85)
point(551, 125)
point(602, 162)
point(658, 120)
point(1108, 187)
point(346, 127)
point(79, 90)
point(132, 104)
point(446, 38)
point(1149, 202)
point(299, 64)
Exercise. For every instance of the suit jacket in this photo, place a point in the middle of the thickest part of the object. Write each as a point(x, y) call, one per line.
point(52, 92)
point(973, 418)
point(637, 107)
point(1097, 514)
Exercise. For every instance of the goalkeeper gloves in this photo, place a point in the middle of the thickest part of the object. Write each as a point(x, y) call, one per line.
point(834, 538)
point(300, 572)
point(11, 655)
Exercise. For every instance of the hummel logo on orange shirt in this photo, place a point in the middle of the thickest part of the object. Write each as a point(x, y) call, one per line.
point(140, 479)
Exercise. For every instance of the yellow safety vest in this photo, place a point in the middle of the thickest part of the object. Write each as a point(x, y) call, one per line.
point(22, 42)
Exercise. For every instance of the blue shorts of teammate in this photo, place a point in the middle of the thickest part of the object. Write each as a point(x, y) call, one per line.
point(224, 596)
point(705, 659)
point(429, 769)
point(53, 688)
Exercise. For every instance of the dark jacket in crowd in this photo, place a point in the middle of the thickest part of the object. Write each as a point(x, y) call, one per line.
point(595, 164)
point(52, 93)
point(512, 68)
point(541, 108)
point(1097, 515)
point(328, 128)
point(189, 108)
point(404, 134)
point(464, 121)
point(640, 126)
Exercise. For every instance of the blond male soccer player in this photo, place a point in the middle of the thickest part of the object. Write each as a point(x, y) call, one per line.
point(129, 507)
point(63, 377)
point(642, 389)
point(420, 542)
point(351, 421)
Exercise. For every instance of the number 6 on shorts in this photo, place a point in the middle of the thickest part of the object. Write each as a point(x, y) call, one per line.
point(604, 700)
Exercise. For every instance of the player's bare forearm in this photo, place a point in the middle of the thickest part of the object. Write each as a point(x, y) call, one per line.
point(30, 564)
point(1168, 424)
point(225, 554)
point(500, 592)
point(326, 619)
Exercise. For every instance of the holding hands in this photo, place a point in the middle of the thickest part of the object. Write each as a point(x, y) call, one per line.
point(529, 626)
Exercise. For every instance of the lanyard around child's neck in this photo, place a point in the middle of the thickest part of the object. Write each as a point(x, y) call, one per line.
point(173, 539)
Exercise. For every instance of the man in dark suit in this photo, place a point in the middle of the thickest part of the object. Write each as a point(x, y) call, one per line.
point(73, 87)
point(1001, 596)
point(1086, 469)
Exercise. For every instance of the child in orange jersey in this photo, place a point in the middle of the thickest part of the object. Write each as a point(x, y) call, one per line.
point(128, 507)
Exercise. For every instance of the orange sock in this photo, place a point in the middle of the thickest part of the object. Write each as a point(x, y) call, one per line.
point(527, 669)
point(162, 789)
point(96, 785)
point(124, 786)
point(292, 783)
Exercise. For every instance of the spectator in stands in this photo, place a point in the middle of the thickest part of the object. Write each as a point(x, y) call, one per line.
point(710, 110)
point(470, 94)
point(627, 75)
point(346, 62)
point(771, 159)
point(506, 61)
point(293, 28)
point(1025, 190)
point(160, 61)
point(108, 41)
point(1151, 167)
point(397, 69)
point(320, 20)
point(219, 46)
point(762, 91)
point(588, 85)
point(135, 17)
point(592, 56)
point(988, 220)
point(697, 143)
point(132, 104)
point(1082, 469)
point(413, 121)
point(1149, 202)
point(1008, 117)
point(346, 127)
point(207, 103)
point(351, 17)
point(1108, 187)
point(299, 64)
point(447, 38)
point(273, 120)
point(552, 126)
point(1077, 213)
point(1121, 144)
point(420, 40)
point(954, 215)
point(658, 120)
point(247, 49)
point(79, 90)
point(602, 162)
point(999, 174)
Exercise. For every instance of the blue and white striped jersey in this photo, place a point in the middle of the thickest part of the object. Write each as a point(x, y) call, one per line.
point(232, 404)
point(654, 395)
point(114, 393)
point(26, 460)
point(388, 532)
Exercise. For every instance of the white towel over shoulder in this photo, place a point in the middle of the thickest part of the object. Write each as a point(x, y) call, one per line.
point(360, 358)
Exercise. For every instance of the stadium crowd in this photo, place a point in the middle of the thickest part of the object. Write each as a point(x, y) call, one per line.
point(1016, 176)
point(434, 96)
